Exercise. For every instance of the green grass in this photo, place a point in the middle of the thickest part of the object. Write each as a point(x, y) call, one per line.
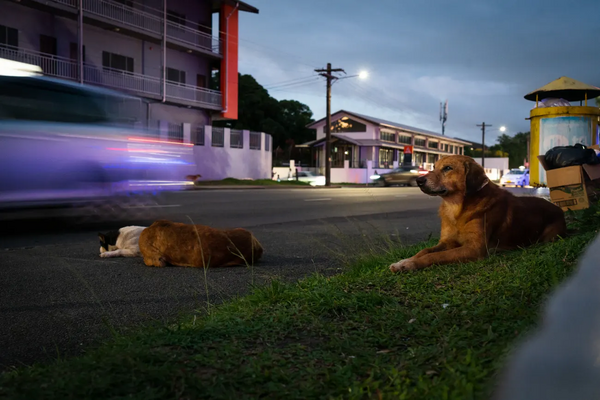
point(440, 333)
point(256, 182)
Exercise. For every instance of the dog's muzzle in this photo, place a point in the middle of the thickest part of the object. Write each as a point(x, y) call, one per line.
point(422, 183)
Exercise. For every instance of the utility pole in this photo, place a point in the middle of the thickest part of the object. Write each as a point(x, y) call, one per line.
point(483, 125)
point(327, 73)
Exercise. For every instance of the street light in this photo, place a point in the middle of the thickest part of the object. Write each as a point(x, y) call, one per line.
point(328, 74)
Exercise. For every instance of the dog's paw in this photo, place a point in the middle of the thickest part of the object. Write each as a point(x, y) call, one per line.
point(403, 265)
point(106, 254)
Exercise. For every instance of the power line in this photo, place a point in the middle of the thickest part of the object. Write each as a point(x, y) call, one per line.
point(302, 81)
point(293, 87)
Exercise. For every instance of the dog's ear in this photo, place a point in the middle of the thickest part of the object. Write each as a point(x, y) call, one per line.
point(475, 177)
point(102, 237)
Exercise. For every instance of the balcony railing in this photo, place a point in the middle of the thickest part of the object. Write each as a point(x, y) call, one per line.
point(150, 21)
point(143, 85)
point(123, 14)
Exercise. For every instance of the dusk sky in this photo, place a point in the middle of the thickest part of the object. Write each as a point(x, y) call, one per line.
point(482, 56)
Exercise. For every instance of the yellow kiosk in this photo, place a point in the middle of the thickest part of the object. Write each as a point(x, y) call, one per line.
point(554, 122)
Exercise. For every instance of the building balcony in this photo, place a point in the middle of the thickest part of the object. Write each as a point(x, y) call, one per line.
point(146, 22)
point(137, 84)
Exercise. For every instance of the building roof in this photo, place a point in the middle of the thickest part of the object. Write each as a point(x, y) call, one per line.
point(383, 122)
point(242, 6)
point(565, 88)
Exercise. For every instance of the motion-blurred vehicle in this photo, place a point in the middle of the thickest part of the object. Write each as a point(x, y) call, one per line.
point(516, 177)
point(403, 175)
point(312, 179)
point(66, 144)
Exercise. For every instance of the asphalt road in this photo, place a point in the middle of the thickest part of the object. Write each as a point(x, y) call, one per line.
point(58, 297)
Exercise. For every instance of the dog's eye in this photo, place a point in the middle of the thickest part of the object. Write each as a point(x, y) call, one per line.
point(447, 168)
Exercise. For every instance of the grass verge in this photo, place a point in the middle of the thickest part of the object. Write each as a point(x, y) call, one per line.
point(440, 333)
point(256, 182)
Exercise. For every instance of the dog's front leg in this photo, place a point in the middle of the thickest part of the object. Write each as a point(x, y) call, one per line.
point(108, 254)
point(471, 252)
point(441, 246)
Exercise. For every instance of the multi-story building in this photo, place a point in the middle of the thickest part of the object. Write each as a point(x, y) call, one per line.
point(164, 51)
point(359, 138)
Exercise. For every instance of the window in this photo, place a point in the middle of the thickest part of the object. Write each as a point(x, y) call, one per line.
point(433, 145)
point(404, 139)
point(386, 157)
point(175, 75)
point(420, 142)
point(346, 124)
point(388, 136)
point(116, 61)
point(9, 36)
point(205, 27)
point(74, 51)
point(48, 44)
point(176, 17)
point(431, 158)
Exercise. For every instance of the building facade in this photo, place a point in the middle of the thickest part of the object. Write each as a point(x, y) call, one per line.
point(360, 139)
point(164, 51)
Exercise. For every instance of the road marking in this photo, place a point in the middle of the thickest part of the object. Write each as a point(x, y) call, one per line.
point(325, 199)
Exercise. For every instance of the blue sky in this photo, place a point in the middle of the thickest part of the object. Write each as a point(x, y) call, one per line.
point(482, 56)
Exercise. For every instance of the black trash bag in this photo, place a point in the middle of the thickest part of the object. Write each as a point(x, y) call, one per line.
point(565, 156)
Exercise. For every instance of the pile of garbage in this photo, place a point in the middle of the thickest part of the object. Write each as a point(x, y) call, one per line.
point(566, 156)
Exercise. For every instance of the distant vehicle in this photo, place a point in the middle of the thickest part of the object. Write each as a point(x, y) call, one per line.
point(63, 144)
point(404, 175)
point(516, 177)
point(312, 179)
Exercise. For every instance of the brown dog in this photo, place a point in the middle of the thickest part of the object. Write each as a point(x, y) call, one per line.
point(165, 242)
point(478, 216)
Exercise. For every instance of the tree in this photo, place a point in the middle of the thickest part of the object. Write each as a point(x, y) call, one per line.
point(514, 146)
point(284, 120)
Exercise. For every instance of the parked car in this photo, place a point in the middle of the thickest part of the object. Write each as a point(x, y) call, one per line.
point(516, 177)
point(403, 175)
point(62, 143)
point(312, 179)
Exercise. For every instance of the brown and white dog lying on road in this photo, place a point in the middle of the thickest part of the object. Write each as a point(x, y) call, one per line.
point(165, 242)
point(478, 216)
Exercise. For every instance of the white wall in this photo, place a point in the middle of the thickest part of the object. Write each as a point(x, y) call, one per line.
point(500, 163)
point(215, 163)
point(175, 115)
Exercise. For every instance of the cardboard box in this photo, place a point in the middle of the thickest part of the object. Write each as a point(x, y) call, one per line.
point(571, 188)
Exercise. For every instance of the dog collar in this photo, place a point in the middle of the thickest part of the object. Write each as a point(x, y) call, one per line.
point(482, 186)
